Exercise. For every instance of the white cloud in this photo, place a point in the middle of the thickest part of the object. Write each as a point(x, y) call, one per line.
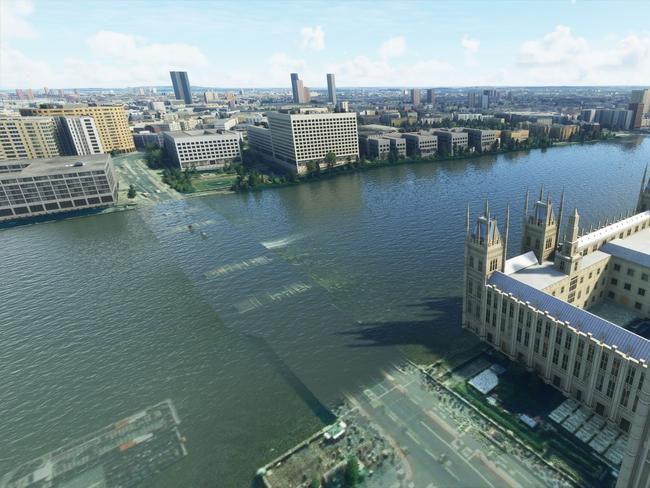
point(470, 48)
point(393, 47)
point(117, 47)
point(280, 65)
point(560, 57)
point(12, 21)
point(312, 38)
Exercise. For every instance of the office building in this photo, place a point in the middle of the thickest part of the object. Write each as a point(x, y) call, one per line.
point(588, 115)
point(534, 309)
point(299, 138)
point(519, 135)
point(260, 141)
point(424, 145)
point(181, 84)
point(431, 96)
point(481, 139)
point(331, 88)
point(415, 96)
point(202, 149)
point(451, 141)
point(78, 136)
point(210, 97)
point(28, 138)
point(637, 110)
point(33, 187)
point(111, 122)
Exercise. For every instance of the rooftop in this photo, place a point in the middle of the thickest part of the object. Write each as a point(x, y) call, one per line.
point(602, 330)
point(189, 134)
point(56, 165)
point(539, 276)
point(612, 229)
point(635, 248)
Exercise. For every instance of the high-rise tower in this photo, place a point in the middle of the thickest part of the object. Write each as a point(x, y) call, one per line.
point(181, 84)
point(331, 88)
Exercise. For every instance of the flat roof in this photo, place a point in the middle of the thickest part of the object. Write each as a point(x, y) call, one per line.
point(635, 248)
point(608, 333)
point(190, 134)
point(59, 164)
point(539, 276)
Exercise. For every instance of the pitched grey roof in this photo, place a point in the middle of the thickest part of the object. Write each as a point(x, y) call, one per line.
point(611, 334)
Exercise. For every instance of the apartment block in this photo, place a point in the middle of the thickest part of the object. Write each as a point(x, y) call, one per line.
point(78, 136)
point(28, 138)
point(202, 150)
point(33, 187)
point(111, 122)
point(299, 138)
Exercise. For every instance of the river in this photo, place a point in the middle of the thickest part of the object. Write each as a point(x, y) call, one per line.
point(291, 297)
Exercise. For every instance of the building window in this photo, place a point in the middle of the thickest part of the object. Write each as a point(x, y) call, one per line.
point(627, 286)
point(630, 271)
point(644, 277)
point(637, 305)
point(611, 295)
point(614, 281)
point(624, 424)
point(617, 267)
point(642, 292)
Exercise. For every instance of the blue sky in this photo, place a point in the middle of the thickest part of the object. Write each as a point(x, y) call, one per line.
point(60, 43)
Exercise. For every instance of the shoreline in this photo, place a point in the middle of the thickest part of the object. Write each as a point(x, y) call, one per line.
point(347, 169)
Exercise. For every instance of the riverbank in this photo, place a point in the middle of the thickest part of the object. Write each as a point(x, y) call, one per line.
point(354, 167)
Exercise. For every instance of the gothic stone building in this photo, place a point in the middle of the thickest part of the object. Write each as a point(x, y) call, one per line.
point(534, 308)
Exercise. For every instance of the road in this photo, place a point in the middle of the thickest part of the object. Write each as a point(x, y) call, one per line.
point(132, 170)
point(441, 443)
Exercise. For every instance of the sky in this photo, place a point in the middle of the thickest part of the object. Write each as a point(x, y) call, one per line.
point(249, 43)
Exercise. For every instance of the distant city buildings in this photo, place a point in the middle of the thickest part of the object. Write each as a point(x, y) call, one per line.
point(416, 95)
point(202, 149)
point(181, 84)
point(111, 121)
point(331, 88)
point(33, 187)
point(431, 96)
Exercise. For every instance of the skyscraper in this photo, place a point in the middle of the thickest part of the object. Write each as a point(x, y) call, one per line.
point(181, 86)
point(415, 96)
point(331, 88)
point(296, 87)
point(431, 96)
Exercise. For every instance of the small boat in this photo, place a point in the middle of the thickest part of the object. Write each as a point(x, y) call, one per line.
point(190, 228)
point(203, 234)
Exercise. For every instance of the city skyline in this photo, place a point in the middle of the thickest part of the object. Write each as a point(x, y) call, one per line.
point(253, 45)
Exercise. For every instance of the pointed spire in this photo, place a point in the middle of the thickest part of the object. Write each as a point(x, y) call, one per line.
point(559, 219)
point(541, 193)
point(505, 240)
point(644, 184)
point(467, 220)
point(487, 209)
point(526, 205)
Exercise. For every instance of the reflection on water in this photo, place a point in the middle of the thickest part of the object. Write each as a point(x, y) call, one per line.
point(105, 315)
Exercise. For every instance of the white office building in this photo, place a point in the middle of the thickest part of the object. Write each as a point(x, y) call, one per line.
point(202, 149)
point(299, 138)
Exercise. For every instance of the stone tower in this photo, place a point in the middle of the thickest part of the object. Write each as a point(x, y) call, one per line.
point(485, 253)
point(568, 256)
point(644, 194)
point(540, 228)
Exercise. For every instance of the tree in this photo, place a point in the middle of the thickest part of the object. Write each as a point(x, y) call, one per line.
point(393, 156)
point(352, 476)
point(131, 193)
point(330, 159)
point(315, 482)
